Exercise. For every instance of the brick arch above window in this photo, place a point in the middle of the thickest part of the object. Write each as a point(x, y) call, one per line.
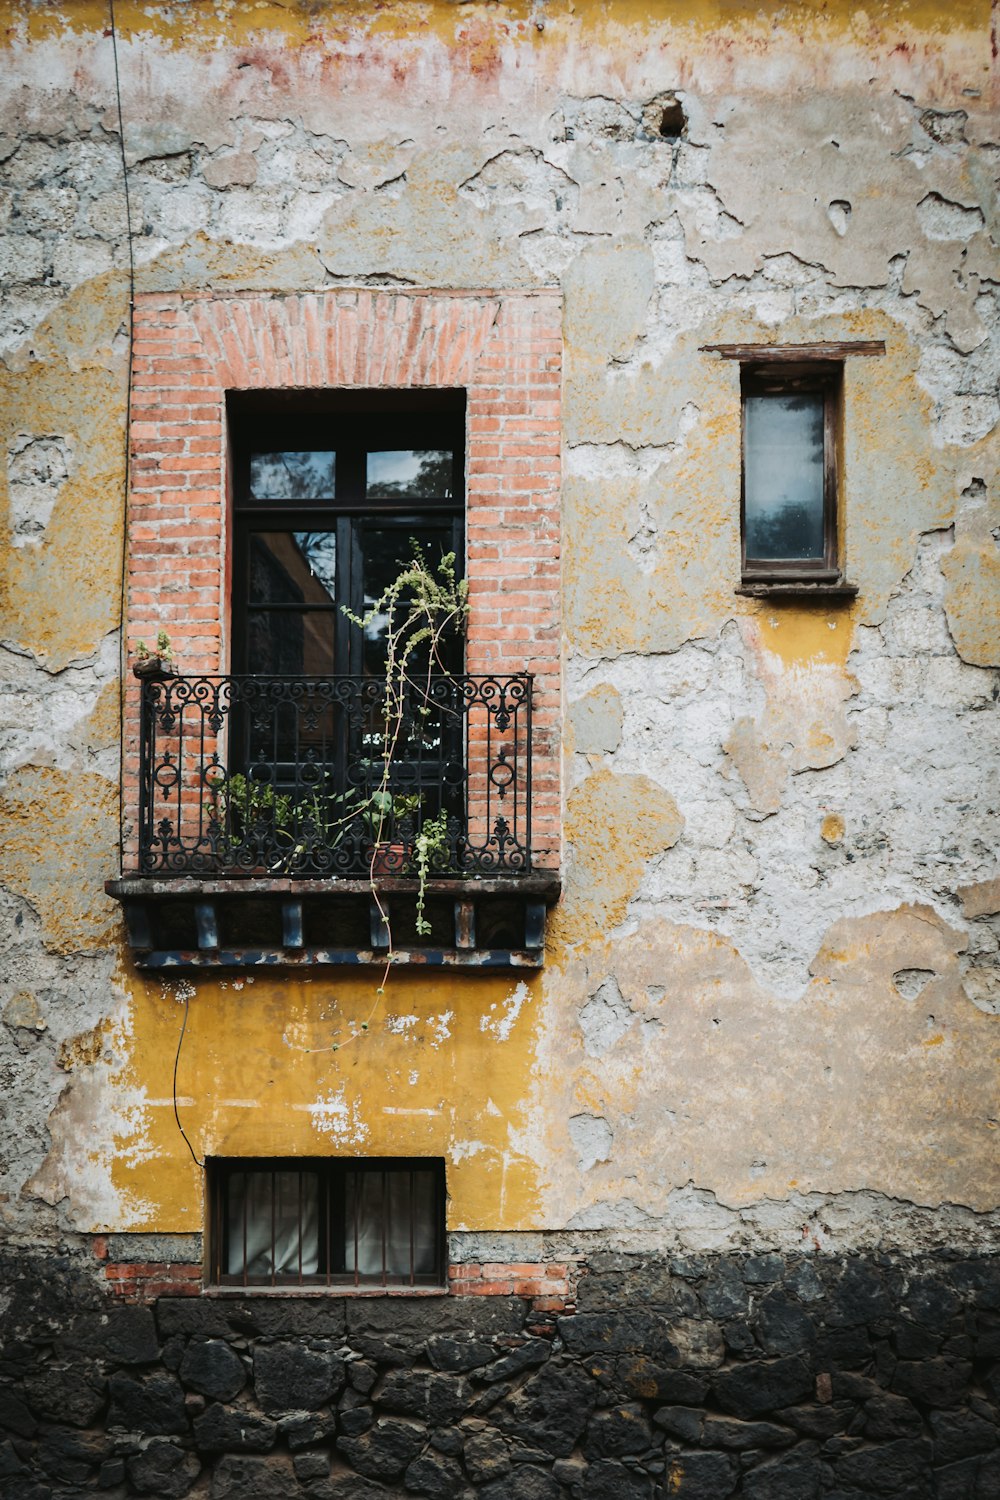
point(504, 349)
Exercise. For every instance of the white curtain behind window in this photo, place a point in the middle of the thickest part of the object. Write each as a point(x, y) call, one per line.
point(384, 1199)
point(273, 1240)
point(387, 1216)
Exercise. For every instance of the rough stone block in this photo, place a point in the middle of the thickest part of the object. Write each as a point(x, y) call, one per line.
point(293, 1377)
point(213, 1368)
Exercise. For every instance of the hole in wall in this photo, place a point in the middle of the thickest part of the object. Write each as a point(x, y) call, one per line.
point(672, 120)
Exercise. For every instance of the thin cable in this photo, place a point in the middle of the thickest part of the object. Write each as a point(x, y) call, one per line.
point(123, 578)
point(180, 1042)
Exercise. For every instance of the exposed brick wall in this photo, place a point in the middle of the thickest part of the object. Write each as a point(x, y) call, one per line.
point(503, 348)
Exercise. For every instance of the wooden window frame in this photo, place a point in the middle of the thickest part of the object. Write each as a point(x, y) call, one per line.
point(810, 377)
point(332, 1173)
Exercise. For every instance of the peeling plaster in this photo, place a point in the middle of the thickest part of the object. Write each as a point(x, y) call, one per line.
point(765, 1011)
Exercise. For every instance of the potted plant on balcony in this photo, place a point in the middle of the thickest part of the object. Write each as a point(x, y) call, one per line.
point(157, 663)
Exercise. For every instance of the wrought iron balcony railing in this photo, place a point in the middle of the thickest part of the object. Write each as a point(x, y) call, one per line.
point(313, 777)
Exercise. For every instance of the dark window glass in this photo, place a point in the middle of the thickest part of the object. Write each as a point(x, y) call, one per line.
point(784, 476)
point(292, 476)
point(377, 1222)
point(411, 474)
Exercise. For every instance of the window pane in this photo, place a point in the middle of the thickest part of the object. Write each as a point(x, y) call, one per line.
point(387, 549)
point(293, 567)
point(783, 476)
point(410, 473)
point(292, 476)
point(276, 1216)
point(285, 642)
point(383, 1211)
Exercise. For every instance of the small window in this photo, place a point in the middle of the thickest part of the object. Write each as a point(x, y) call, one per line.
point(289, 1222)
point(790, 423)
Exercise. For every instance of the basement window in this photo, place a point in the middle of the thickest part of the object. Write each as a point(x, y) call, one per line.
point(321, 1222)
point(790, 502)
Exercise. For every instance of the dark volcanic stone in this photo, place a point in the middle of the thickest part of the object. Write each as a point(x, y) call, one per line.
point(72, 1456)
point(913, 1342)
point(524, 1483)
point(431, 1397)
point(616, 1431)
point(293, 1377)
point(214, 1369)
point(847, 1348)
point(934, 1382)
point(458, 1354)
point(957, 1481)
point(350, 1487)
point(14, 1415)
point(220, 1430)
point(889, 1417)
point(302, 1428)
point(789, 1478)
point(434, 1475)
point(803, 1281)
point(682, 1422)
point(120, 1336)
point(783, 1326)
point(535, 1352)
point(750, 1390)
point(311, 1466)
point(361, 1376)
point(619, 1333)
point(730, 1432)
point(642, 1378)
point(163, 1470)
point(761, 1269)
point(9, 1461)
point(978, 1280)
point(817, 1421)
point(65, 1395)
point(988, 1478)
point(607, 1480)
point(154, 1406)
point(723, 1294)
point(236, 1477)
point(858, 1296)
point(885, 1469)
point(960, 1434)
point(486, 1457)
point(549, 1412)
point(700, 1476)
point(385, 1450)
point(353, 1423)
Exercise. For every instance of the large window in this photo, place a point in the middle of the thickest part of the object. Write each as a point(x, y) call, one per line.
point(790, 471)
point(328, 504)
point(320, 1222)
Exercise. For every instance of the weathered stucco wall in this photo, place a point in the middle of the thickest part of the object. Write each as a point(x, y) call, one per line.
point(771, 991)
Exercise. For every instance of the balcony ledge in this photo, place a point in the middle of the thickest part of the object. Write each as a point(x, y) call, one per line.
point(480, 922)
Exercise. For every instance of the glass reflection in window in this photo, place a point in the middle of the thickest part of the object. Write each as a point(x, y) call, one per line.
point(784, 476)
point(292, 476)
point(410, 474)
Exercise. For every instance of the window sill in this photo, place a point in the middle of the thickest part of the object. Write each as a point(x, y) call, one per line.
point(238, 1292)
point(751, 587)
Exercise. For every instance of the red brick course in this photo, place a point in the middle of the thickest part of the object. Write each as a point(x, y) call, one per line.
point(503, 348)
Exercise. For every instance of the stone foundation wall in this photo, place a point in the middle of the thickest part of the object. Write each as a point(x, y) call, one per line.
point(769, 1376)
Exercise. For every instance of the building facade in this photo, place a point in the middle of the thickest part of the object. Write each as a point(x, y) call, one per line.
point(567, 1067)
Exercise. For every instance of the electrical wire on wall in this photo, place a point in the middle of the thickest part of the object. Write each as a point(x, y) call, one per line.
point(123, 578)
point(130, 328)
point(186, 997)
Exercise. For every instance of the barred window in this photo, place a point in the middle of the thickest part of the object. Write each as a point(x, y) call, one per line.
point(293, 1221)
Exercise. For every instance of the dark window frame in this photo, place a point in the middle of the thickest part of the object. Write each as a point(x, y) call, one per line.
point(351, 423)
point(814, 377)
point(332, 1174)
